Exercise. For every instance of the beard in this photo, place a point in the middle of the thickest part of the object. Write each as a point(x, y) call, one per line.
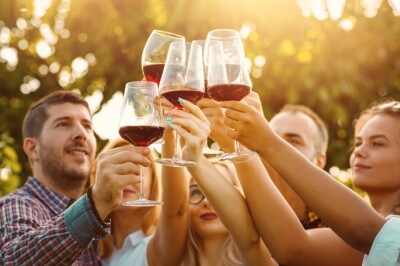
point(63, 176)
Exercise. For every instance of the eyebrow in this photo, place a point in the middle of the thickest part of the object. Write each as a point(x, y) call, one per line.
point(375, 137)
point(69, 118)
point(293, 135)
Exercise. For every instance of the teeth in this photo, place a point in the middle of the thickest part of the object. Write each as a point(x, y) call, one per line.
point(78, 152)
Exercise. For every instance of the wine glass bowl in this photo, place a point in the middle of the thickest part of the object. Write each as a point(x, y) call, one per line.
point(222, 35)
point(183, 77)
point(155, 53)
point(228, 80)
point(141, 124)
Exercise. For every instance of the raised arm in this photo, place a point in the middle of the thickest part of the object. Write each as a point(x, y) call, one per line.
point(340, 208)
point(282, 231)
point(26, 240)
point(173, 223)
point(226, 199)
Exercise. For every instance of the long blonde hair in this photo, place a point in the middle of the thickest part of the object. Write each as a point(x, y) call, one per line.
point(151, 215)
point(229, 255)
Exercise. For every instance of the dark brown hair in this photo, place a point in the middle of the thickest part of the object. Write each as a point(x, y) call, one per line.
point(37, 113)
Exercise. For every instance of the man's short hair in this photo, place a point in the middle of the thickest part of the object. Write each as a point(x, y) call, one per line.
point(37, 113)
point(322, 144)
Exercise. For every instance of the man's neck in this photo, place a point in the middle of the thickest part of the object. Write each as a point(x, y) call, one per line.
point(71, 189)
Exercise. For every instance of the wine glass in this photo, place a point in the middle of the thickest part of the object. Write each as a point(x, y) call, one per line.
point(141, 124)
point(222, 35)
point(182, 78)
point(155, 53)
point(206, 149)
point(228, 80)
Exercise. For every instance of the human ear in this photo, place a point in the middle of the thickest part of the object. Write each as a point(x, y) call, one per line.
point(321, 160)
point(31, 148)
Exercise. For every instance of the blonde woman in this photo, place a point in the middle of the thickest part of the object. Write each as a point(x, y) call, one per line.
point(221, 229)
point(206, 228)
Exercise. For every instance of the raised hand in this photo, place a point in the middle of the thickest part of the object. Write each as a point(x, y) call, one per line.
point(192, 126)
point(116, 169)
point(216, 116)
point(246, 124)
point(254, 100)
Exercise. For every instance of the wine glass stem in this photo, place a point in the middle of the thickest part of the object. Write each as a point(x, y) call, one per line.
point(142, 196)
point(237, 148)
point(176, 149)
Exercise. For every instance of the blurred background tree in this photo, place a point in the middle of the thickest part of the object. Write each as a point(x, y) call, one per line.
point(335, 66)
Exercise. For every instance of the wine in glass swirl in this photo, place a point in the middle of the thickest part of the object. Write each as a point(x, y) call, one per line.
point(183, 77)
point(141, 124)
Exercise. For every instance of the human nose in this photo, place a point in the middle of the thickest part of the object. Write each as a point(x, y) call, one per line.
point(80, 132)
point(359, 151)
point(205, 202)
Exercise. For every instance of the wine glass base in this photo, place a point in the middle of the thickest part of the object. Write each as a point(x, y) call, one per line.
point(209, 151)
point(142, 203)
point(238, 157)
point(174, 162)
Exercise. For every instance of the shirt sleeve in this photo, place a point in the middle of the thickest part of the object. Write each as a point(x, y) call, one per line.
point(84, 223)
point(385, 249)
point(26, 239)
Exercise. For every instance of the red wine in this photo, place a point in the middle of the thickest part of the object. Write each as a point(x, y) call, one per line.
point(228, 92)
point(141, 135)
point(206, 89)
point(153, 72)
point(190, 95)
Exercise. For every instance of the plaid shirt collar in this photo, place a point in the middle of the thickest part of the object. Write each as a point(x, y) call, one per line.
point(53, 201)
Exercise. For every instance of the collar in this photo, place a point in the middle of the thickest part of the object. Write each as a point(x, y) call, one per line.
point(133, 239)
point(53, 201)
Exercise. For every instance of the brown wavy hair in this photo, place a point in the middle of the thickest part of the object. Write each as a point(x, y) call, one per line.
point(151, 215)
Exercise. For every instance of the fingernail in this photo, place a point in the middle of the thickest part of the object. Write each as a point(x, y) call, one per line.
point(169, 121)
point(181, 101)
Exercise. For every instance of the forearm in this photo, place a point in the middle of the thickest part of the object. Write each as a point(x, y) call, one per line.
point(59, 240)
point(357, 223)
point(227, 201)
point(277, 224)
point(173, 222)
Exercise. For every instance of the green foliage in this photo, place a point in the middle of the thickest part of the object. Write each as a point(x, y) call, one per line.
point(317, 63)
point(10, 166)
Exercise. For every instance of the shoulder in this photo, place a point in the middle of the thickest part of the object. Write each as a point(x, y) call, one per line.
point(386, 246)
point(19, 203)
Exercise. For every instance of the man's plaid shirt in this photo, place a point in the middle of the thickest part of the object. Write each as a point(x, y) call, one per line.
point(39, 227)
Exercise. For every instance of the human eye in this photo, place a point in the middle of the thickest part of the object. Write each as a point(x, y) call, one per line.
point(357, 143)
point(88, 126)
point(377, 144)
point(63, 124)
point(293, 141)
point(195, 191)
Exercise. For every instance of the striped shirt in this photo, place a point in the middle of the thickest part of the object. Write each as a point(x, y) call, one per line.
point(40, 227)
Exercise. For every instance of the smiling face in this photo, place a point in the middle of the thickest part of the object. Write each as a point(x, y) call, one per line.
point(375, 160)
point(65, 150)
